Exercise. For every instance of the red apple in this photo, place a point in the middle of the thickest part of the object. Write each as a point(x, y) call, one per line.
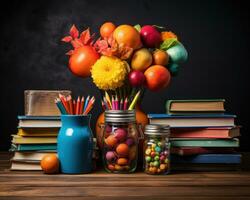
point(136, 78)
point(150, 36)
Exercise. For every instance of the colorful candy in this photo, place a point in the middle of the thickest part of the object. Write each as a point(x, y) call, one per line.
point(156, 157)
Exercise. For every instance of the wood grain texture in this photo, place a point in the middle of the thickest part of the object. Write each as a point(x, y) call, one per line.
point(101, 185)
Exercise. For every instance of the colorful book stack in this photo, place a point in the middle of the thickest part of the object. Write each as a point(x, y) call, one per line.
point(37, 129)
point(203, 137)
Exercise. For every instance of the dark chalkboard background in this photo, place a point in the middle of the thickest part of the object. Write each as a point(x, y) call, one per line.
point(216, 34)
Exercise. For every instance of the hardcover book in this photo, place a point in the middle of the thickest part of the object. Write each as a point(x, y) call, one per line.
point(42, 102)
point(39, 122)
point(195, 106)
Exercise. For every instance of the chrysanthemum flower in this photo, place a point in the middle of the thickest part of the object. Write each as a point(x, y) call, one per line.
point(109, 73)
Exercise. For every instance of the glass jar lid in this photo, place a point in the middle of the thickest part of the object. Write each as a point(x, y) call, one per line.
point(119, 116)
point(157, 129)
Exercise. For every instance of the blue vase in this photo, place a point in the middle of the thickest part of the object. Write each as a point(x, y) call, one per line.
point(75, 144)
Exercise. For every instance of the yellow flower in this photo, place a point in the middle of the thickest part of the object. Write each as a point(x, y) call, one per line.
point(109, 73)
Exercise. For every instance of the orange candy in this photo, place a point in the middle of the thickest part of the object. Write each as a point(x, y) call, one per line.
point(128, 36)
point(160, 57)
point(107, 29)
point(50, 164)
point(122, 149)
point(111, 167)
point(111, 141)
point(122, 161)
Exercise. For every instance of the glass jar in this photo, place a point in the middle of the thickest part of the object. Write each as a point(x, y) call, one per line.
point(157, 149)
point(120, 141)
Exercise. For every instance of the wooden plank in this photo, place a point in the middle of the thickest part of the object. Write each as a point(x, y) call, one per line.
point(124, 191)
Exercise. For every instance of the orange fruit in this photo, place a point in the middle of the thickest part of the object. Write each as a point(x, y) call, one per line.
point(50, 164)
point(157, 77)
point(107, 29)
point(122, 149)
point(160, 57)
point(167, 35)
point(127, 35)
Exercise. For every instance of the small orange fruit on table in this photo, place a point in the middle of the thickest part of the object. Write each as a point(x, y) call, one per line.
point(50, 164)
point(160, 57)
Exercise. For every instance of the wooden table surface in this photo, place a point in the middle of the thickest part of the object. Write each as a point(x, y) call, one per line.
point(101, 185)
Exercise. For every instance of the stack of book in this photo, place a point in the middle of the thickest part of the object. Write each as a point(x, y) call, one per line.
point(37, 129)
point(202, 135)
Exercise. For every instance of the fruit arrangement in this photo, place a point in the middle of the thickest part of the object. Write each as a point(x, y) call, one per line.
point(120, 148)
point(126, 59)
point(156, 157)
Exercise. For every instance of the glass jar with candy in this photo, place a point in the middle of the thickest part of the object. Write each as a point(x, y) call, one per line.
point(120, 141)
point(157, 149)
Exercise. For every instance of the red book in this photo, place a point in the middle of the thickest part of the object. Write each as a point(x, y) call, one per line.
point(224, 132)
point(187, 151)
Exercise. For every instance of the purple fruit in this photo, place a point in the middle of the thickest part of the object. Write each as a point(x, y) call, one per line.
point(120, 134)
point(130, 141)
point(110, 156)
point(150, 36)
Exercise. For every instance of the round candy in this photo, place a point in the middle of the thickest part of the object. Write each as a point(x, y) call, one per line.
point(129, 141)
point(148, 151)
point(156, 163)
point(154, 170)
point(166, 160)
point(159, 144)
point(148, 158)
point(151, 164)
point(111, 167)
point(111, 141)
point(152, 154)
point(158, 149)
point(162, 158)
point(120, 134)
point(118, 167)
point(153, 145)
point(122, 161)
point(156, 158)
point(162, 166)
point(122, 149)
point(110, 156)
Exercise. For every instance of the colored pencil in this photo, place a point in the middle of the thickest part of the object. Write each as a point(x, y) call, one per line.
point(133, 103)
point(106, 103)
point(86, 103)
point(60, 106)
point(125, 106)
point(70, 102)
point(64, 102)
point(108, 99)
point(121, 104)
point(116, 103)
point(89, 106)
point(113, 103)
point(74, 106)
point(103, 105)
point(81, 106)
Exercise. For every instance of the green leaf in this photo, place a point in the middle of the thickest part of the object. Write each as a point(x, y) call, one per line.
point(137, 27)
point(159, 27)
point(168, 43)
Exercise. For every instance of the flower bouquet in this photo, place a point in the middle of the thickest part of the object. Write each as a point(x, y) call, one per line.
point(125, 60)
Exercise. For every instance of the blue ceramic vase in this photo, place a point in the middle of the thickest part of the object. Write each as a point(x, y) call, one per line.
point(75, 144)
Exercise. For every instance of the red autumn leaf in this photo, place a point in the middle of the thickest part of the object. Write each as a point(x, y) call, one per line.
point(85, 37)
point(76, 43)
point(74, 32)
point(66, 39)
point(70, 52)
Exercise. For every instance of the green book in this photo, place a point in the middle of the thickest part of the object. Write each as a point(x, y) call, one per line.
point(32, 147)
point(195, 106)
point(204, 142)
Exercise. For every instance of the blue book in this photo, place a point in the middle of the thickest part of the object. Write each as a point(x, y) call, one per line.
point(199, 121)
point(33, 147)
point(39, 121)
point(208, 158)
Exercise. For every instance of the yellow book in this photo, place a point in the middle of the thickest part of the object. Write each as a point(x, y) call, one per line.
point(38, 132)
point(17, 139)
